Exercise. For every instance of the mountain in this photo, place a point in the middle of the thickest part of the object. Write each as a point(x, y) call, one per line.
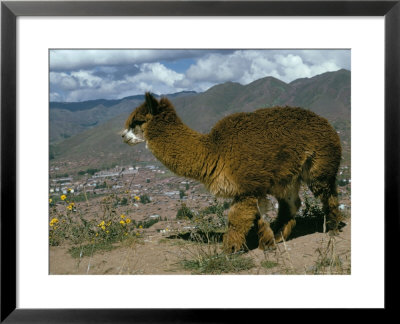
point(99, 146)
point(65, 123)
point(71, 118)
point(327, 94)
point(86, 105)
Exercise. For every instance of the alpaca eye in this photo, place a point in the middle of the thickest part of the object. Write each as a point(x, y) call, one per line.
point(137, 123)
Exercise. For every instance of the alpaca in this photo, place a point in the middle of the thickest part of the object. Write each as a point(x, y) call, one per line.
point(247, 156)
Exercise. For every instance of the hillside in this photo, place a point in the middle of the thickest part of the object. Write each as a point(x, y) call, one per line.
point(67, 120)
point(327, 94)
point(71, 118)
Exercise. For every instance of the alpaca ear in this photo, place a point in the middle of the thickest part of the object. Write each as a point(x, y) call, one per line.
point(152, 103)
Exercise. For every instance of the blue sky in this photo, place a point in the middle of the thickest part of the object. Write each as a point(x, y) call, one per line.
point(79, 75)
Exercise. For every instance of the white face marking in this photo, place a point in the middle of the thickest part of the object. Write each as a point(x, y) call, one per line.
point(133, 136)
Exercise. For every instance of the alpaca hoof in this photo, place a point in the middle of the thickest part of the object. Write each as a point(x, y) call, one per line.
point(280, 236)
point(332, 226)
point(284, 232)
point(267, 239)
point(232, 242)
point(232, 248)
point(266, 245)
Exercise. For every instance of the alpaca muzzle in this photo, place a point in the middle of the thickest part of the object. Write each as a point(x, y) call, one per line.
point(132, 137)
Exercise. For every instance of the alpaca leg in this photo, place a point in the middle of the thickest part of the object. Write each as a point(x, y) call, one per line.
point(321, 180)
point(327, 192)
point(285, 221)
point(331, 209)
point(265, 233)
point(241, 218)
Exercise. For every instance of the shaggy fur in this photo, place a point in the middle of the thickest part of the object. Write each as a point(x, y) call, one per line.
point(247, 156)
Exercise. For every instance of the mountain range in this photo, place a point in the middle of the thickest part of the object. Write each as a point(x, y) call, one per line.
point(70, 118)
point(87, 133)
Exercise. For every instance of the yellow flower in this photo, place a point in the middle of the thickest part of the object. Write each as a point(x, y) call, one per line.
point(123, 216)
point(137, 233)
point(69, 190)
point(50, 201)
point(97, 234)
point(53, 221)
point(69, 207)
point(109, 223)
point(137, 198)
point(103, 227)
point(101, 224)
point(122, 222)
point(128, 220)
point(63, 197)
point(140, 226)
point(107, 232)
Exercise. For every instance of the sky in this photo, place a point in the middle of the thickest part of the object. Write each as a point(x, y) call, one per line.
point(80, 75)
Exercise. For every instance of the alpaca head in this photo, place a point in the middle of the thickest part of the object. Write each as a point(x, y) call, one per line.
point(136, 122)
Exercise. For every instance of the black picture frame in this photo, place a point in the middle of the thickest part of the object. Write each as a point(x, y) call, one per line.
point(10, 10)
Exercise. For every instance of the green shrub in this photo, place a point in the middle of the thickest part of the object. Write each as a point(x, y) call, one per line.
point(90, 249)
point(123, 201)
point(217, 263)
point(92, 171)
point(145, 199)
point(184, 212)
point(268, 264)
point(101, 186)
point(148, 223)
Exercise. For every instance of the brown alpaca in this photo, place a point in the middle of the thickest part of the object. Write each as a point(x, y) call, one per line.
point(247, 156)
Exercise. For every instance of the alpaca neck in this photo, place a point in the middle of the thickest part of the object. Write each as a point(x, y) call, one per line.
point(179, 148)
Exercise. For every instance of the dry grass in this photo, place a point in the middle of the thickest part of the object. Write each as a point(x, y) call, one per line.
point(329, 261)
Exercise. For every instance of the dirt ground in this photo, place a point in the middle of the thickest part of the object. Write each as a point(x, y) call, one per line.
point(156, 253)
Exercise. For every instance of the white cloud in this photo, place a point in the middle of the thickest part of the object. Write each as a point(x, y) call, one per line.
point(85, 84)
point(218, 68)
point(158, 73)
point(87, 74)
point(63, 81)
point(294, 67)
point(86, 79)
point(240, 66)
point(55, 96)
point(259, 66)
point(245, 66)
point(86, 59)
